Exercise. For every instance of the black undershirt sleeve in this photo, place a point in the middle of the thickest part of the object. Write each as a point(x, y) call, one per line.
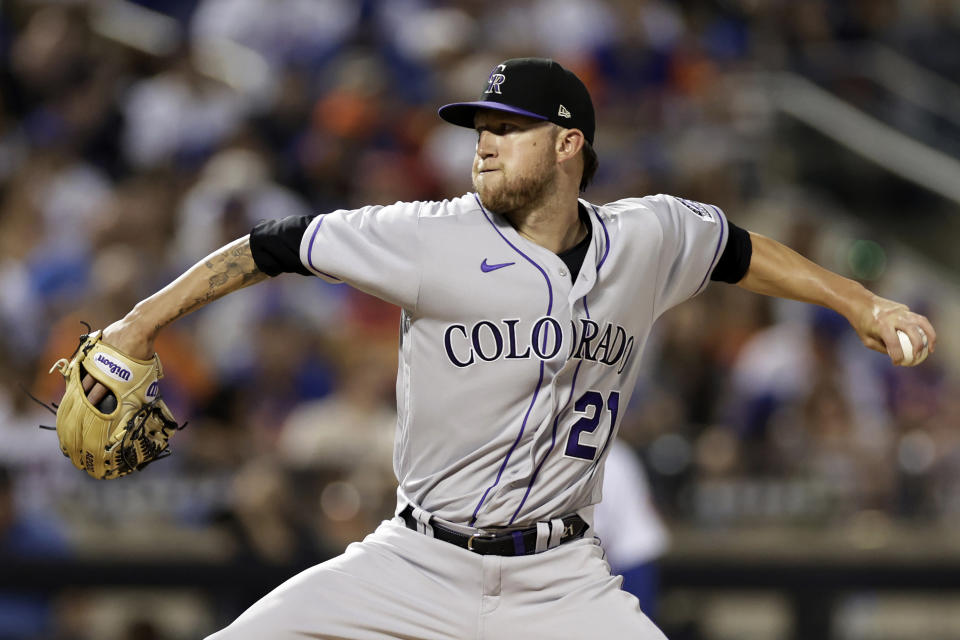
point(733, 264)
point(275, 245)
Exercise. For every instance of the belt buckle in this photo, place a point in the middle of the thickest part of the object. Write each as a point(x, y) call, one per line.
point(488, 536)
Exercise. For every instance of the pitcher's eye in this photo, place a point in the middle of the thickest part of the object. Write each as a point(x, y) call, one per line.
point(498, 129)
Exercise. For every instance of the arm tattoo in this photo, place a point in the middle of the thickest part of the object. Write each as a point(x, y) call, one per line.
point(231, 269)
point(234, 262)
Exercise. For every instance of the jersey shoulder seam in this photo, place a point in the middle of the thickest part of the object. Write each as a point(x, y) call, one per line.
point(629, 208)
point(416, 301)
point(446, 208)
point(654, 310)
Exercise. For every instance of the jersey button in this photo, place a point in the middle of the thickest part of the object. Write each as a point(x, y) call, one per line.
point(562, 272)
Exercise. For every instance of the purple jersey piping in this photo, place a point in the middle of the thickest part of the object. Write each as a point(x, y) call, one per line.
point(716, 251)
point(310, 251)
point(536, 390)
point(606, 244)
point(525, 256)
point(613, 425)
point(573, 384)
point(553, 443)
point(585, 307)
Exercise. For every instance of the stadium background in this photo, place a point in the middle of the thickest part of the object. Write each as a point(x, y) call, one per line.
point(812, 490)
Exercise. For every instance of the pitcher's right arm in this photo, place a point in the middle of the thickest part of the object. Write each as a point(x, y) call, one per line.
point(224, 271)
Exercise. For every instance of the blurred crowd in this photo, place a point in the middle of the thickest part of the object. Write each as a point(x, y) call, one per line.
point(135, 138)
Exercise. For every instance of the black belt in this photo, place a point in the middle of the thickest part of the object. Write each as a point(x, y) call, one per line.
point(519, 542)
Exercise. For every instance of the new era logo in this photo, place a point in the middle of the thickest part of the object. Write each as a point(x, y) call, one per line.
point(564, 112)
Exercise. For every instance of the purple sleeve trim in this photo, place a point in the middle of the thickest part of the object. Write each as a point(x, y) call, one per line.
point(716, 252)
point(313, 237)
point(606, 236)
point(503, 465)
point(536, 390)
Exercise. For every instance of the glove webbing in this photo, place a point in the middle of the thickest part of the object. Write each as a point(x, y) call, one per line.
point(135, 432)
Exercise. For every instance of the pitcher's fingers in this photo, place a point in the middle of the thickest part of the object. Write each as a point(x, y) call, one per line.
point(916, 339)
point(892, 342)
point(876, 345)
point(97, 393)
point(930, 331)
point(87, 383)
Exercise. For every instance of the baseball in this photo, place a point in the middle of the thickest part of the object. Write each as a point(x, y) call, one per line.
point(908, 356)
point(108, 404)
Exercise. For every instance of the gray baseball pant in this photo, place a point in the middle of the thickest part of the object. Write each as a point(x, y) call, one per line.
point(399, 583)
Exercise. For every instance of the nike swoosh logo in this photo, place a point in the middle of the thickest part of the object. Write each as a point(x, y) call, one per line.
point(487, 268)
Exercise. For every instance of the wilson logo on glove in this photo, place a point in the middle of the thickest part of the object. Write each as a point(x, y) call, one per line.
point(112, 369)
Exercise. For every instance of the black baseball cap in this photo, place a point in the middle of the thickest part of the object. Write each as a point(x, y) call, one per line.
point(535, 87)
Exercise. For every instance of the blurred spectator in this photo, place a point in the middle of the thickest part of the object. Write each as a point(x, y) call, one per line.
point(285, 32)
point(234, 192)
point(794, 362)
point(267, 516)
point(347, 437)
point(629, 528)
point(22, 535)
point(25, 616)
point(353, 427)
point(178, 116)
point(13, 145)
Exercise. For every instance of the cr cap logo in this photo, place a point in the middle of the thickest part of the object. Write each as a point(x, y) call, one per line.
point(496, 79)
point(112, 369)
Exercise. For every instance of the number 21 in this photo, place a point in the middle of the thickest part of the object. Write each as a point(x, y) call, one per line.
point(589, 423)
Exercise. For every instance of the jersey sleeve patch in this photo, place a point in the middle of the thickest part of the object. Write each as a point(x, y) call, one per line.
point(693, 237)
point(698, 208)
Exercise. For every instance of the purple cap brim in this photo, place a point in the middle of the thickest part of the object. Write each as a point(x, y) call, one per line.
point(462, 113)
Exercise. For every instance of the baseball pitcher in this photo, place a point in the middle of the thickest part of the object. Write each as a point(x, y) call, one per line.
point(525, 311)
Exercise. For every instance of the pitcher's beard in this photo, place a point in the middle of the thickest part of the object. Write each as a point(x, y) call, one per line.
point(519, 194)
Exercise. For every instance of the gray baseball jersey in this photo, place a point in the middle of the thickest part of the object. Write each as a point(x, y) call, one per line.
point(512, 376)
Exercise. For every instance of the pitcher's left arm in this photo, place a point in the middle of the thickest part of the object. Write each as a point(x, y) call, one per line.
point(777, 270)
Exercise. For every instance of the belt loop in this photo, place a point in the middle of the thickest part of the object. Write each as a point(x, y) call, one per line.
point(423, 521)
point(556, 532)
point(543, 536)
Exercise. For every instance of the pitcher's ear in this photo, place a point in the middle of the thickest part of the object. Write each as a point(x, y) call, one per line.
point(569, 143)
